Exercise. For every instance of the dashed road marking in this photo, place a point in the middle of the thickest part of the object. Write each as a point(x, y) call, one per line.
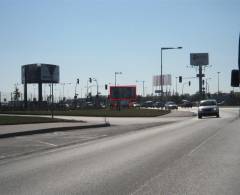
point(202, 143)
point(47, 143)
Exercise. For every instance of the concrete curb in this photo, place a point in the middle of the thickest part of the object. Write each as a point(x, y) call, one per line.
point(181, 114)
point(50, 130)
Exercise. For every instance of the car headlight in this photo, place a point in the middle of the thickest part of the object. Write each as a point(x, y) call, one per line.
point(215, 109)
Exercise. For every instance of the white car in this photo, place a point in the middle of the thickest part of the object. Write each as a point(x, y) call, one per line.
point(208, 108)
point(171, 105)
point(136, 105)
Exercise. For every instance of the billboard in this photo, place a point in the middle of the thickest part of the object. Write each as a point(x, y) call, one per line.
point(122, 93)
point(30, 73)
point(197, 59)
point(40, 73)
point(167, 80)
point(49, 73)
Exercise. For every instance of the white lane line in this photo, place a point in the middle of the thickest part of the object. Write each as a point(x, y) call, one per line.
point(46, 143)
point(202, 143)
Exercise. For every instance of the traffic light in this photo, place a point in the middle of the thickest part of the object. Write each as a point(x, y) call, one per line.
point(106, 87)
point(203, 82)
point(90, 80)
point(189, 83)
point(235, 78)
point(180, 79)
point(77, 81)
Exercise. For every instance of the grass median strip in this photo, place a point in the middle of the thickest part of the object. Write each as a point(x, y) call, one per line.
point(98, 112)
point(14, 120)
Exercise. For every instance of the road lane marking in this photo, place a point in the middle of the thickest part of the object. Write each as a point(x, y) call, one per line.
point(47, 143)
point(202, 143)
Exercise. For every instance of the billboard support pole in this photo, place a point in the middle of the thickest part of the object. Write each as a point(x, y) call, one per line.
point(200, 81)
point(51, 70)
point(40, 92)
point(25, 90)
point(52, 102)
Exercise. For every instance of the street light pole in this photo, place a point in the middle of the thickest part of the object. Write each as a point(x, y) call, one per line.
point(143, 87)
point(161, 77)
point(207, 85)
point(96, 83)
point(116, 77)
point(218, 82)
point(183, 86)
point(63, 87)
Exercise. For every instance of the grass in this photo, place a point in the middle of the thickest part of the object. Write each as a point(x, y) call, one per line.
point(98, 112)
point(14, 120)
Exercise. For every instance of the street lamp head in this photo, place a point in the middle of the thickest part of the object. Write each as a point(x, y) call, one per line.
point(166, 48)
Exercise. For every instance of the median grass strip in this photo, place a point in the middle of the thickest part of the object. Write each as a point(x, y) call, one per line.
point(98, 112)
point(14, 120)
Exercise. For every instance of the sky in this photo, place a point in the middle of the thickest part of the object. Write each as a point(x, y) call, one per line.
point(97, 38)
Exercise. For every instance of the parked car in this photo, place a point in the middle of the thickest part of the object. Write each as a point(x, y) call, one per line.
point(159, 104)
point(186, 104)
point(148, 104)
point(208, 108)
point(171, 105)
point(136, 105)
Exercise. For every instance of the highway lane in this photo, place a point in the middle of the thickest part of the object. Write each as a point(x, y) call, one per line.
point(189, 157)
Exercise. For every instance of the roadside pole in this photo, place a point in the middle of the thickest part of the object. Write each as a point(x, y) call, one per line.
point(199, 60)
point(200, 81)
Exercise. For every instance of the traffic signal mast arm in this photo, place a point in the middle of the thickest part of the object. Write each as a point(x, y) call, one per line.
point(181, 78)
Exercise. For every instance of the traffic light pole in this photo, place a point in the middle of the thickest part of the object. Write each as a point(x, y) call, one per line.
point(176, 86)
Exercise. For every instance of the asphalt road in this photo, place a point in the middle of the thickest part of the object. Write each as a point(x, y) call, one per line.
point(188, 157)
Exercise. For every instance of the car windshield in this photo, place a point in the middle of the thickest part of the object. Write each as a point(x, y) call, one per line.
point(208, 103)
